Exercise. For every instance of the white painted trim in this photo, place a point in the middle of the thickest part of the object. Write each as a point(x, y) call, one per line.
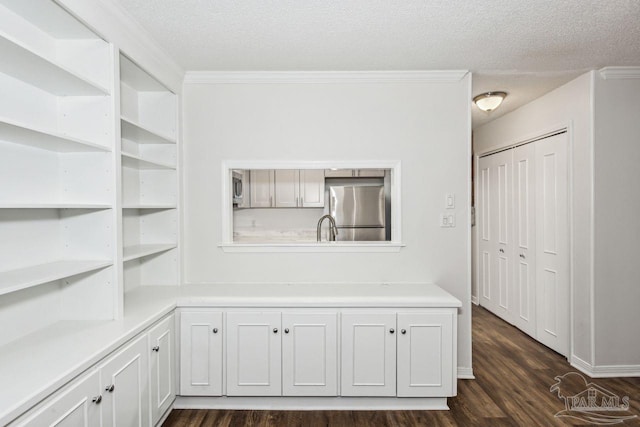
point(396, 205)
point(571, 227)
point(166, 414)
point(605, 371)
point(592, 220)
point(315, 77)
point(611, 73)
point(475, 300)
point(469, 291)
point(524, 139)
point(333, 247)
point(311, 403)
point(465, 373)
point(112, 22)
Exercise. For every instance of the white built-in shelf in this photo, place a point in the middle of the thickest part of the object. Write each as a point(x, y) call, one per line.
point(133, 161)
point(138, 251)
point(141, 134)
point(157, 206)
point(28, 277)
point(24, 64)
point(96, 206)
point(22, 133)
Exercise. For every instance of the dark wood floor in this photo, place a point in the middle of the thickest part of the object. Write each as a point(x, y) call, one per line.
point(513, 376)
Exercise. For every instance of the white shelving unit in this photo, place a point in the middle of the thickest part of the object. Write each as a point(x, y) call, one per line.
point(149, 178)
point(58, 222)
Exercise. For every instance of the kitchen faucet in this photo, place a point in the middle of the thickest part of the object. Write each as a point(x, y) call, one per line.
point(333, 230)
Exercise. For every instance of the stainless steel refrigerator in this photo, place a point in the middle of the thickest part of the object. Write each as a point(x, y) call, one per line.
point(359, 211)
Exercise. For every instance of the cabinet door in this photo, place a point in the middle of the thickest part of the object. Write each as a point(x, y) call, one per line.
point(77, 405)
point(309, 354)
point(368, 354)
point(262, 188)
point(162, 363)
point(373, 173)
point(125, 382)
point(253, 354)
point(339, 173)
point(287, 188)
point(312, 188)
point(201, 353)
point(425, 355)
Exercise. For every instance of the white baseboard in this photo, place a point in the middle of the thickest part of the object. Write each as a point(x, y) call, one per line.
point(605, 371)
point(288, 403)
point(474, 300)
point(465, 373)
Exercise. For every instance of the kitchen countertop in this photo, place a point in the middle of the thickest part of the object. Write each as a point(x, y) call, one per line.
point(40, 363)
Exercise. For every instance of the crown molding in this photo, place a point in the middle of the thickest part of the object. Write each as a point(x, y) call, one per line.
point(611, 73)
point(245, 77)
point(113, 23)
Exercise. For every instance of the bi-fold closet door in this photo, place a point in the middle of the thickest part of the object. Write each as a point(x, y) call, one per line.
point(523, 238)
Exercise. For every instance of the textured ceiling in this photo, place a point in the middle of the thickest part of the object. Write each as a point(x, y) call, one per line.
point(530, 46)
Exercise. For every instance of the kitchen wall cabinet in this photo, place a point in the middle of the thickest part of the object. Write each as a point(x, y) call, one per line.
point(523, 265)
point(253, 354)
point(201, 335)
point(262, 183)
point(125, 386)
point(287, 188)
point(368, 354)
point(309, 354)
point(354, 173)
point(162, 342)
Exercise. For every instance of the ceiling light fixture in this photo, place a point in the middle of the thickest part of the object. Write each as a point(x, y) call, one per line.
point(489, 101)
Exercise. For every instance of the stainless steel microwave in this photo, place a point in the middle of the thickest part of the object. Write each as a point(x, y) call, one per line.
point(240, 188)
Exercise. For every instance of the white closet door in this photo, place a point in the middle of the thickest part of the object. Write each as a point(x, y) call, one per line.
point(524, 227)
point(552, 293)
point(496, 243)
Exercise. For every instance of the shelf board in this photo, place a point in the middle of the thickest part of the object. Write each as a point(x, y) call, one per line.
point(28, 277)
point(141, 134)
point(133, 161)
point(22, 63)
point(139, 251)
point(22, 133)
point(54, 206)
point(138, 79)
point(149, 206)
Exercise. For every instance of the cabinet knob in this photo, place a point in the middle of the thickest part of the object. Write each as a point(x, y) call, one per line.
point(156, 349)
point(215, 330)
point(501, 250)
point(403, 331)
point(275, 330)
point(391, 331)
point(286, 330)
point(97, 399)
point(110, 388)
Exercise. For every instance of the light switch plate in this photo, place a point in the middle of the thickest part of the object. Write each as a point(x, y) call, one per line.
point(450, 201)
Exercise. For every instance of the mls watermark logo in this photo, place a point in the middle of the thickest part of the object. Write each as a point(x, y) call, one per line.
point(589, 402)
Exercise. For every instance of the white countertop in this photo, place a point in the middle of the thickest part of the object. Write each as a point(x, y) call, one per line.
point(38, 364)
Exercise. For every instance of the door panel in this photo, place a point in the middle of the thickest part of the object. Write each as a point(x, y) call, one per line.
point(201, 353)
point(287, 184)
point(552, 259)
point(253, 354)
point(368, 354)
point(126, 390)
point(162, 362)
point(310, 354)
point(312, 188)
point(262, 188)
point(524, 218)
point(425, 355)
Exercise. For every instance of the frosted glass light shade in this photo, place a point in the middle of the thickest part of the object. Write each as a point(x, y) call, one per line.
point(489, 101)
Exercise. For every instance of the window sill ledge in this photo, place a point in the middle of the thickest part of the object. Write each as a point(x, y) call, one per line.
point(331, 247)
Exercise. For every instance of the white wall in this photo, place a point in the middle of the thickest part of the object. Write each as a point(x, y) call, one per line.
point(425, 125)
point(617, 221)
point(569, 105)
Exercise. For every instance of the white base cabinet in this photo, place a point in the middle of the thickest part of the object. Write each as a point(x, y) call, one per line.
point(310, 352)
point(162, 343)
point(201, 353)
point(133, 387)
